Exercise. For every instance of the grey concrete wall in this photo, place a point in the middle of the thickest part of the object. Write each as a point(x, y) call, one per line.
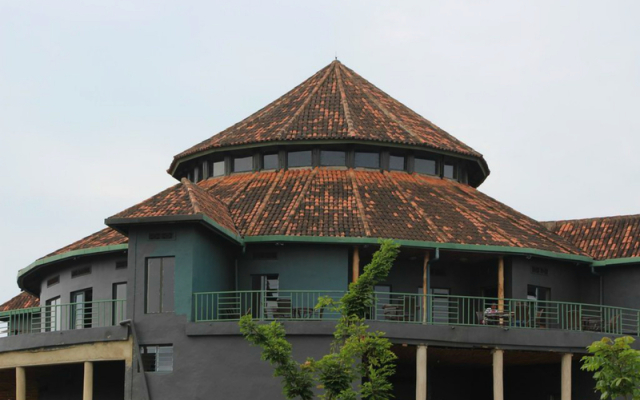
point(563, 278)
point(621, 285)
point(103, 275)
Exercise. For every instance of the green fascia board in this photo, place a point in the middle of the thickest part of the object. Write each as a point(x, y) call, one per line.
point(616, 261)
point(70, 254)
point(422, 244)
point(201, 218)
point(480, 160)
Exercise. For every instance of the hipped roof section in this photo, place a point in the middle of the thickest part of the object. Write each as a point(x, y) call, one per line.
point(335, 104)
point(606, 238)
point(20, 302)
point(185, 201)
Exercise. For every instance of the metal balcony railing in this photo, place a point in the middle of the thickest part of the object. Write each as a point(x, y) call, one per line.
point(295, 305)
point(62, 317)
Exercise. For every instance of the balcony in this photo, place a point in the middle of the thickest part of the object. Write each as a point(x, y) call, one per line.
point(406, 308)
point(62, 317)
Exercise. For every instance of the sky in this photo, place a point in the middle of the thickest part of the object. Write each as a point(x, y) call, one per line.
point(96, 97)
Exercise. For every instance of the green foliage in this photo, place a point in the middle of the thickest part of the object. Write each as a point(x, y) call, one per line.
point(616, 368)
point(356, 353)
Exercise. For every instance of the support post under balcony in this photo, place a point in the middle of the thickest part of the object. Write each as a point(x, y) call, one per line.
point(87, 390)
point(501, 284)
point(21, 384)
point(498, 371)
point(566, 377)
point(421, 373)
point(355, 265)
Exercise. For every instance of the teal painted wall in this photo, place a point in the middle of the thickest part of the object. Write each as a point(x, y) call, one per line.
point(300, 267)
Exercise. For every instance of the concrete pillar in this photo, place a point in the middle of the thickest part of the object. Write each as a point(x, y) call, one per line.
point(421, 373)
point(498, 370)
point(21, 384)
point(566, 377)
point(87, 390)
point(355, 267)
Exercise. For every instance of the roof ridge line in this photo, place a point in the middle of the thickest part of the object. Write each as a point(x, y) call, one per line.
point(611, 217)
point(361, 209)
point(192, 198)
point(264, 200)
point(430, 225)
point(345, 103)
point(304, 104)
point(388, 113)
point(296, 203)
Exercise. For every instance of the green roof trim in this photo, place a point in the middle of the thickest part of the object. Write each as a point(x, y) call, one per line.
point(616, 261)
point(422, 244)
point(70, 254)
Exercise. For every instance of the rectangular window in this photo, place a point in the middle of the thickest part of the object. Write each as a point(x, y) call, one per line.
point(333, 158)
point(81, 272)
point(299, 159)
point(218, 168)
point(196, 174)
point(243, 164)
point(270, 161)
point(53, 281)
point(425, 166)
point(450, 171)
point(205, 169)
point(367, 160)
point(52, 315)
point(119, 305)
point(396, 163)
point(81, 309)
point(157, 358)
point(160, 285)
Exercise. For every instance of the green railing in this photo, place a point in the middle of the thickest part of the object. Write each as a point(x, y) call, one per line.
point(62, 317)
point(421, 309)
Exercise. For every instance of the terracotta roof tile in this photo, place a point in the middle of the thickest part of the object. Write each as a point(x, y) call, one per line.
point(335, 103)
point(105, 237)
point(602, 238)
point(23, 300)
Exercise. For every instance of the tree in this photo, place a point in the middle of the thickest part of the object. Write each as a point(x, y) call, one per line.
point(356, 353)
point(616, 366)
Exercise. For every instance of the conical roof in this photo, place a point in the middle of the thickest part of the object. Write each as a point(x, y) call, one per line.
point(335, 104)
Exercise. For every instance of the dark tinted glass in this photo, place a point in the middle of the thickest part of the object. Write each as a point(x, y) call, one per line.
point(449, 171)
point(396, 163)
point(218, 168)
point(299, 159)
point(367, 160)
point(242, 164)
point(270, 161)
point(425, 166)
point(196, 174)
point(328, 158)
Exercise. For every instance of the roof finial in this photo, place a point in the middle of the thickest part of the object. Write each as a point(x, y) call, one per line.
point(336, 55)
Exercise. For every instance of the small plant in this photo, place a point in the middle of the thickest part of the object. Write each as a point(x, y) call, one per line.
point(357, 355)
point(616, 368)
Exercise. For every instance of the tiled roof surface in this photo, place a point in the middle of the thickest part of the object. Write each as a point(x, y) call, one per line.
point(335, 103)
point(351, 203)
point(23, 300)
point(185, 198)
point(602, 238)
point(105, 237)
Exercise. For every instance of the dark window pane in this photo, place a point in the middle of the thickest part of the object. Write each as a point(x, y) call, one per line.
point(299, 159)
point(168, 267)
point(157, 358)
point(449, 171)
point(154, 281)
point(424, 166)
point(205, 170)
point(118, 310)
point(328, 158)
point(243, 164)
point(218, 168)
point(270, 161)
point(396, 163)
point(196, 174)
point(367, 160)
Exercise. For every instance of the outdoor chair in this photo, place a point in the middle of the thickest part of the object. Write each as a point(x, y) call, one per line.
point(540, 322)
point(480, 317)
point(391, 312)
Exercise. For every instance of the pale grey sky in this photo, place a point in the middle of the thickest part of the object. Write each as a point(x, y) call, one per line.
point(97, 96)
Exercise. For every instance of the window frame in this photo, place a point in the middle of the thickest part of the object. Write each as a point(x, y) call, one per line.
point(355, 159)
point(144, 356)
point(310, 165)
point(249, 158)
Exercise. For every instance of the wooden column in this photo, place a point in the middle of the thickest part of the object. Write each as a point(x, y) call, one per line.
point(425, 286)
point(566, 377)
point(501, 283)
point(355, 267)
point(87, 390)
point(498, 370)
point(21, 384)
point(421, 373)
